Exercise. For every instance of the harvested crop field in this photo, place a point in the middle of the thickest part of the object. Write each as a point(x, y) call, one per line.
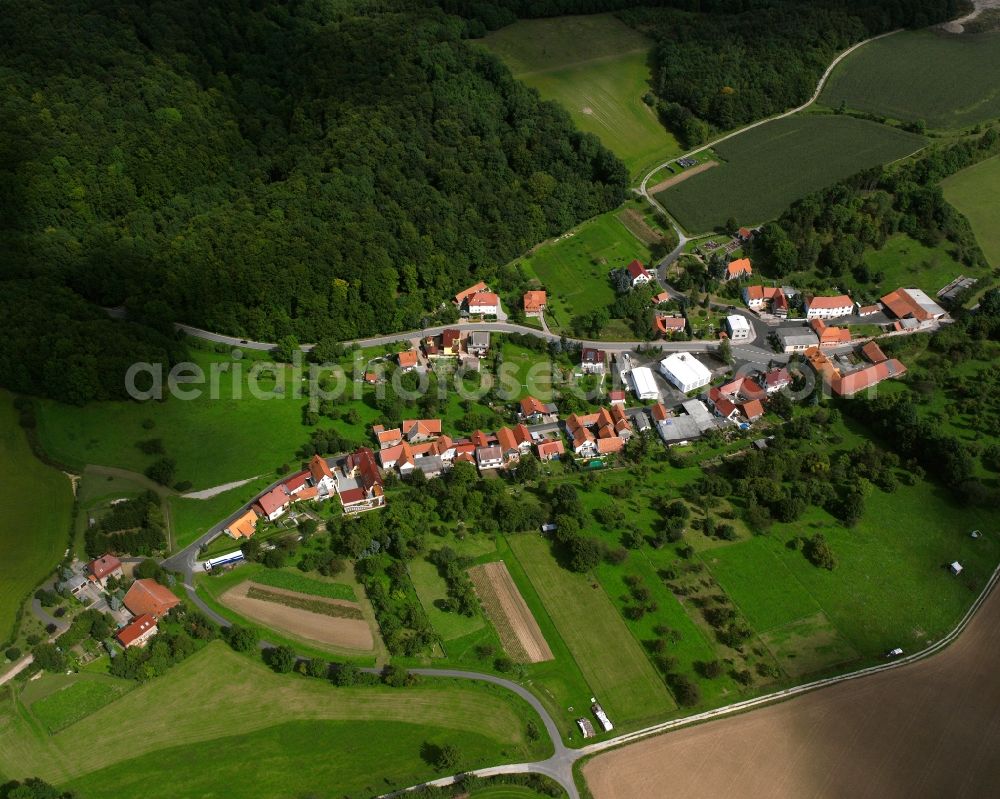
point(638, 227)
point(511, 617)
point(673, 180)
point(329, 621)
point(928, 729)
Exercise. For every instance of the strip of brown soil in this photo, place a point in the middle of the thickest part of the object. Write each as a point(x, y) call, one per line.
point(687, 173)
point(314, 604)
point(511, 617)
point(347, 633)
point(928, 729)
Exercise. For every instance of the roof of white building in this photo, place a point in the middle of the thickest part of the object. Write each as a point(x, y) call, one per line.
point(737, 322)
point(643, 382)
point(686, 368)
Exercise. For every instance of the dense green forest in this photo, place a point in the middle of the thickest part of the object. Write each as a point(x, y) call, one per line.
point(718, 64)
point(266, 168)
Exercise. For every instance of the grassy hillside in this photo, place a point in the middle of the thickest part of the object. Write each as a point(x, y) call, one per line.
point(945, 80)
point(769, 167)
point(598, 69)
point(976, 193)
point(34, 526)
point(193, 731)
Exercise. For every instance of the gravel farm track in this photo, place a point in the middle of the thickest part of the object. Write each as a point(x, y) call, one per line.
point(928, 729)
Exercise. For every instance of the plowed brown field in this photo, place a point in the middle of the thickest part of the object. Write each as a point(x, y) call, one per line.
point(350, 634)
point(930, 729)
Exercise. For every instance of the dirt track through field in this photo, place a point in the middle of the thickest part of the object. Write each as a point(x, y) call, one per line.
point(687, 173)
point(354, 634)
point(931, 729)
point(519, 632)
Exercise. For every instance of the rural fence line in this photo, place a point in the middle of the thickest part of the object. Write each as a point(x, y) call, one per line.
point(788, 693)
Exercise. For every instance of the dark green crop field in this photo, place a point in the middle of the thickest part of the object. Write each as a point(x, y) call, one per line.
point(768, 168)
point(945, 80)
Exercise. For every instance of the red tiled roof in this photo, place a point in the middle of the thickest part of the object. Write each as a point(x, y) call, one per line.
point(663, 296)
point(296, 482)
point(550, 449)
point(422, 427)
point(840, 301)
point(103, 565)
point(616, 396)
point(407, 358)
point(777, 377)
point(319, 468)
point(752, 409)
point(148, 596)
point(129, 634)
point(484, 298)
point(635, 269)
point(902, 305)
point(272, 500)
point(388, 436)
point(741, 266)
point(531, 406)
point(505, 437)
point(852, 383)
point(659, 411)
point(449, 337)
point(606, 446)
point(873, 352)
point(462, 296)
point(534, 301)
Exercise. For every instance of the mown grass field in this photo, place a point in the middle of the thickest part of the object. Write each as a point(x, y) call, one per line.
point(945, 80)
point(431, 588)
point(574, 268)
point(597, 68)
point(769, 167)
point(213, 441)
point(976, 193)
point(906, 262)
point(37, 503)
point(193, 731)
point(611, 660)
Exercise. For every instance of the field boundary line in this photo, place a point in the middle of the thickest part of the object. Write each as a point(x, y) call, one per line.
point(784, 114)
point(788, 693)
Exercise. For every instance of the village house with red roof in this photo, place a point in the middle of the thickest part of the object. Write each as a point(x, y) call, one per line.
point(147, 596)
point(535, 302)
point(138, 632)
point(638, 274)
point(101, 569)
point(737, 269)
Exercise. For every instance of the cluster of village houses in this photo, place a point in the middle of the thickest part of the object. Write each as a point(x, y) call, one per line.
point(144, 605)
point(423, 445)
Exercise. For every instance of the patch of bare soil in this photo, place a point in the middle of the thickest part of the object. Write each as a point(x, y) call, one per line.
point(638, 226)
point(931, 729)
point(682, 176)
point(345, 633)
point(519, 632)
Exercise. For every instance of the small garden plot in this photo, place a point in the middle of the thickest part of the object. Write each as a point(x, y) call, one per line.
point(518, 631)
point(77, 698)
point(335, 622)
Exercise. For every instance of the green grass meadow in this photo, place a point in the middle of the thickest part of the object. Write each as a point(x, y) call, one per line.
point(769, 167)
point(574, 268)
point(610, 658)
point(60, 700)
point(37, 503)
point(193, 731)
point(597, 68)
point(945, 80)
point(976, 193)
